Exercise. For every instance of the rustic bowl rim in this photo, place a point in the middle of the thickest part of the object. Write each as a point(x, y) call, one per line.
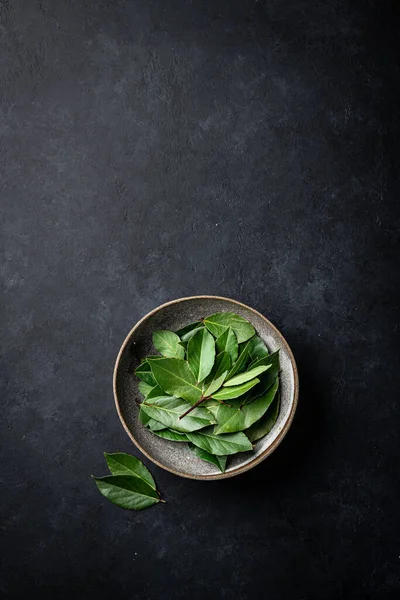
point(256, 460)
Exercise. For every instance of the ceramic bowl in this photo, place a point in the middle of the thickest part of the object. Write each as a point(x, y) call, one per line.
point(174, 457)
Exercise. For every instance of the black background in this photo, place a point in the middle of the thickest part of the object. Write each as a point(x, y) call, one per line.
point(159, 149)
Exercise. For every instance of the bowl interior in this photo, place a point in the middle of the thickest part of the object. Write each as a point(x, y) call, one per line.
point(177, 457)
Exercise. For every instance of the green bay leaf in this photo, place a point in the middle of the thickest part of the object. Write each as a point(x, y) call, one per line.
point(218, 461)
point(220, 445)
point(169, 410)
point(227, 342)
point(212, 406)
point(267, 378)
point(235, 391)
point(155, 392)
point(127, 491)
point(257, 348)
point(201, 354)
point(231, 418)
point(241, 363)
point(120, 463)
point(145, 388)
point(152, 424)
point(271, 359)
point(187, 332)
point(222, 365)
point(168, 344)
point(259, 429)
point(243, 377)
point(173, 436)
point(219, 322)
point(145, 373)
point(215, 385)
point(175, 377)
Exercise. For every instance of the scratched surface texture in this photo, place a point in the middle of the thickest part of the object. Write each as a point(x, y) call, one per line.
point(153, 149)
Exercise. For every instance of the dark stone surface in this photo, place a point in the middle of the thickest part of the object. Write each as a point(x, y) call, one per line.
point(157, 149)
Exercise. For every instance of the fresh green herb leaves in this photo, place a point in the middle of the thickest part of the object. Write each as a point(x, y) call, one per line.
point(220, 445)
point(226, 393)
point(169, 411)
point(125, 464)
point(243, 359)
point(145, 388)
point(187, 332)
point(218, 461)
point(168, 344)
point(130, 484)
point(127, 492)
point(175, 377)
point(257, 349)
point(217, 324)
point(250, 374)
point(222, 365)
point(238, 418)
point(145, 373)
point(201, 354)
point(215, 386)
point(227, 342)
point(171, 435)
point(264, 425)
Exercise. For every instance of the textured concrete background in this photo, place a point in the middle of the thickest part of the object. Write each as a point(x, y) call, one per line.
point(157, 149)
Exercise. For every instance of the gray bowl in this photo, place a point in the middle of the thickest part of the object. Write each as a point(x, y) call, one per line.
point(174, 457)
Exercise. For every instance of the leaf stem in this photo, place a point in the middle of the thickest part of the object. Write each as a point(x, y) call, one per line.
point(193, 407)
point(199, 402)
point(223, 402)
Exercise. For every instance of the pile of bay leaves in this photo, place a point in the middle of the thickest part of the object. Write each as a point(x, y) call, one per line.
point(215, 386)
